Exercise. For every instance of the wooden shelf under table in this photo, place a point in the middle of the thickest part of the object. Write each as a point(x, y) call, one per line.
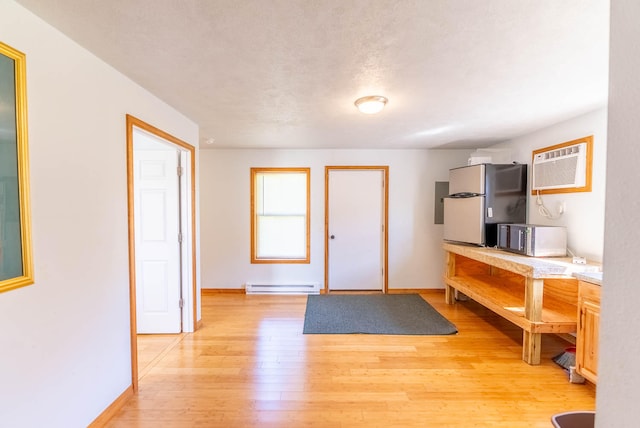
point(507, 298)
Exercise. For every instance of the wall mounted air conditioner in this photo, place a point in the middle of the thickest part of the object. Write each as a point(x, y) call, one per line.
point(560, 168)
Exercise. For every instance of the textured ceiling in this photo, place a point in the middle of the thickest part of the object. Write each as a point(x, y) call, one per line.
point(285, 73)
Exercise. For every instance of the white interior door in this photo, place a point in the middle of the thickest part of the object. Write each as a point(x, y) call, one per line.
point(157, 246)
point(355, 228)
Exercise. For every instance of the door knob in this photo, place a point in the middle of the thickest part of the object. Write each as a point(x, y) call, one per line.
point(333, 236)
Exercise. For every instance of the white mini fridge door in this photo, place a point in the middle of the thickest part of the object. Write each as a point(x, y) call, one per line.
point(467, 179)
point(464, 219)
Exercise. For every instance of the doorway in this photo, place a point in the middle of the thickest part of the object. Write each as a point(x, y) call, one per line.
point(356, 235)
point(161, 206)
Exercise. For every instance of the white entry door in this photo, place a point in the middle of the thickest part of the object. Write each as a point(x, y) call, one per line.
point(355, 228)
point(156, 212)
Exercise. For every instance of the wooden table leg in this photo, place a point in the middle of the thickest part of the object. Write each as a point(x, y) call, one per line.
point(533, 312)
point(450, 270)
point(449, 294)
point(531, 347)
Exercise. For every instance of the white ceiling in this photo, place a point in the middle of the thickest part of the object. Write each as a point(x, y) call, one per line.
point(285, 73)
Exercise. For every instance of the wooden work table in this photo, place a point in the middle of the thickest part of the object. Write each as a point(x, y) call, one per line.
point(539, 295)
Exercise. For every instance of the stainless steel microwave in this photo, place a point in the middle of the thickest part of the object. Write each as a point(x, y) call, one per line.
point(533, 240)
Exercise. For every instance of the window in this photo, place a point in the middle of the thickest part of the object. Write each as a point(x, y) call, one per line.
point(280, 215)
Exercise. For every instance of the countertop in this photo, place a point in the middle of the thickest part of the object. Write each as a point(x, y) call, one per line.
point(534, 267)
point(592, 277)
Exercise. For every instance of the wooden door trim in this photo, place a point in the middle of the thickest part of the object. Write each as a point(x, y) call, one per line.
point(137, 123)
point(385, 240)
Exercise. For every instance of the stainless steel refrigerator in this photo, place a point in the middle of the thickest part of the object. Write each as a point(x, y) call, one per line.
point(480, 197)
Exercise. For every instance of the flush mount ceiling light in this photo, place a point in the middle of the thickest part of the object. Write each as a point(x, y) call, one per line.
point(371, 104)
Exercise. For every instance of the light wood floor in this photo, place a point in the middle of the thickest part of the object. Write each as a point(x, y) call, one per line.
point(251, 366)
point(152, 348)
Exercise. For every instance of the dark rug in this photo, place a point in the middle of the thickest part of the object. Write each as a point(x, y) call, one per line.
point(374, 314)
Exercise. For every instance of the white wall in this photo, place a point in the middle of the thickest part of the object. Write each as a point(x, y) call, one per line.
point(65, 351)
point(618, 369)
point(415, 254)
point(584, 212)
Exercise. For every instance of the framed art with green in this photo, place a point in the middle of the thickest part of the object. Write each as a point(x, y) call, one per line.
point(16, 262)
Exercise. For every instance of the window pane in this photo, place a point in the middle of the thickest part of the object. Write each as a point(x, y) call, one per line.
point(282, 193)
point(281, 237)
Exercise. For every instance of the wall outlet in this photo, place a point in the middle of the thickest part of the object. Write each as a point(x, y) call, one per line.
point(561, 207)
point(579, 260)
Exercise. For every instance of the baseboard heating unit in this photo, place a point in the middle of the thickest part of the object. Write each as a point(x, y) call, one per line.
point(297, 288)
